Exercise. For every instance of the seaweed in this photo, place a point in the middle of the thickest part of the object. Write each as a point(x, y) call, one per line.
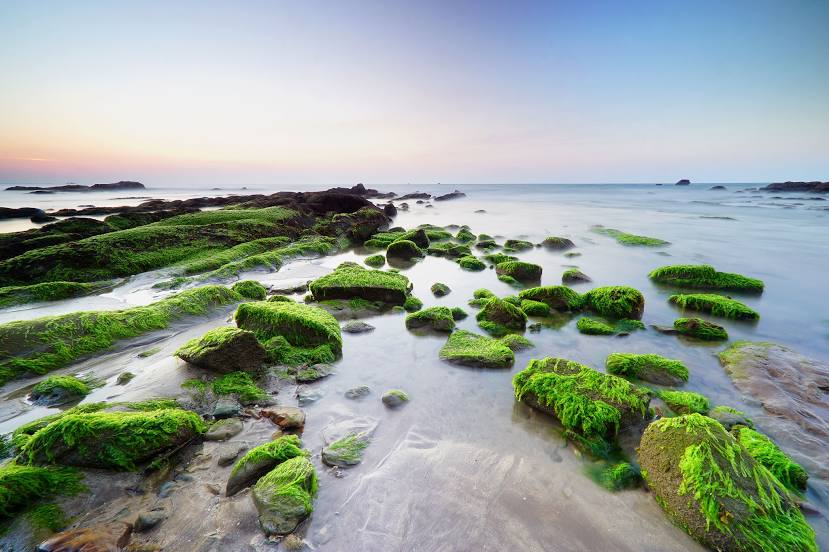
point(714, 304)
point(705, 277)
point(700, 329)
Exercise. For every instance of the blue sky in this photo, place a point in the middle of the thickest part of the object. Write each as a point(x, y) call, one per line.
point(393, 92)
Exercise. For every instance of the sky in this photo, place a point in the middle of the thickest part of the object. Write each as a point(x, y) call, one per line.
point(385, 91)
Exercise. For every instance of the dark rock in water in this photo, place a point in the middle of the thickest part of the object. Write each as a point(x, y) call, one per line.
point(149, 519)
point(21, 212)
point(729, 417)
point(122, 185)
point(313, 373)
point(229, 455)
point(124, 378)
point(286, 417)
point(717, 188)
point(226, 408)
point(797, 187)
point(40, 192)
point(40, 218)
point(390, 210)
point(62, 231)
point(394, 398)
point(415, 195)
point(683, 182)
point(667, 330)
point(430, 206)
point(558, 243)
point(358, 392)
point(794, 392)
point(224, 430)
point(451, 195)
point(357, 326)
point(404, 249)
point(224, 349)
point(111, 537)
point(56, 395)
point(285, 290)
point(420, 202)
point(404, 206)
point(574, 276)
point(481, 211)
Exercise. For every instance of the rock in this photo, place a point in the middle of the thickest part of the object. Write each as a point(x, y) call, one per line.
point(286, 417)
point(451, 195)
point(440, 289)
point(355, 282)
point(794, 392)
point(148, 519)
point(226, 408)
point(229, 455)
point(20, 212)
point(667, 330)
point(260, 460)
point(394, 398)
point(559, 298)
point(797, 187)
point(404, 249)
point(59, 390)
point(683, 182)
point(558, 243)
point(416, 195)
point(500, 318)
point(306, 395)
point(41, 218)
point(225, 349)
point(730, 417)
point(390, 210)
point(346, 451)
point(284, 497)
point(718, 188)
point(313, 373)
point(110, 537)
point(574, 276)
point(520, 270)
point(709, 485)
point(357, 326)
point(616, 302)
point(224, 430)
point(700, 329)
point(439, 319)
point(647, 367)
point(470, 349)
point(358, 392)
point(124, 378)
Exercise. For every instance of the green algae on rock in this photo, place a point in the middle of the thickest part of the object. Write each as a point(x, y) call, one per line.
point(57, 390)
point(394, 398)
point(582, 399)
point(591, 326)
point(498, 258)
point(519, 270)
point(260, 460)
point(465, 236)
point(349, 281)
point(437, 318)
point(766, 452)
point(685, 402)
point(559, 298)
point(615, 302)
point(710, 486)
point(618, 477)
point(730, 417)
point(284, 496)
point(516, 342)
point(700, 329)
point(558, 243)
point(470, 349)
point(375, 261)
point(471, 263)
point(22, 485)
point(224, 349)
point(412, 304)
point(574, 276)
point(419, 237)
point(44, 344)
point(647, 367)
point(250, 289)
point(458, 313)
point(404, 249)
point(629, 239)
point(535, 308)
point(440, 289)
point(499, 317)
point(448, 249)
point(704, 277)
point(113, 440)
point(240, 385)
point(347, 451)
point(49, 291)
point(714, 304)
point(517, 245)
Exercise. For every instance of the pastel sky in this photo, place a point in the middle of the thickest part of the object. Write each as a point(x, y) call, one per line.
point(386, 91)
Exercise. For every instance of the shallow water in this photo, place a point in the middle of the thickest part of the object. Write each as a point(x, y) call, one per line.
point(463, 466)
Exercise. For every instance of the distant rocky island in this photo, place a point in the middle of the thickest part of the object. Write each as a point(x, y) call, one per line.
point(122, 185)
point(816, 186)
point(683, 182)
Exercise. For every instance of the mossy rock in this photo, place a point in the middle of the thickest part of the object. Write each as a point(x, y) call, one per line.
point(225, 349)
point(375, 261)
point(471, 263)
point(22, 485)
point(558, 243)
point(48, 291)
point(710, 486)
point(250, 289)
point(498, 258)
point(700, 329)
point(574, 276)
point(404, 250)
point(58, 390)
point(535, 308)
point(470, 349)
point(616, 302)
point(458, 313)
point(465, 236)
point(451, 250)
point(519, 270)
point(705, 277)
point(352, 281)
point(486, 244)
point(582, 399)
point(516, 342)
point(440, 289)
point(418, 237)
point(517, 245)
point(766, 452)
point(685, 402)
point(347, 451)
point(280, 299)
point(114, 440)
point(412, 304)
point(499, 317)
point(559, 298)
point(284, 497)
point(717, 305)
point(625, 238)
point(591, 326)
point(260, 460)
point(730, 417)
point(647, 367)
point(437, 318)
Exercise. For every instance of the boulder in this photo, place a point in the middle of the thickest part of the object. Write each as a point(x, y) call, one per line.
point(224, 429)
point(225, 349)
point(574, 276)
point(499, 317)
point(394, 398)
point(357, 326)
point(356, 282)
point(260, 460)
point(559, 298)
point(520, 270)
point(110, 537)
point(404, 249)
point(286, 417)
point(558, 243)
point(470, 349)
point(284, 496)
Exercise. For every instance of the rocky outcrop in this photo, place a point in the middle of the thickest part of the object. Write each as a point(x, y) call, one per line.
point(797, 187)
point(224, 349)
point(451, 195)
point(683, 182)
point(121, 185)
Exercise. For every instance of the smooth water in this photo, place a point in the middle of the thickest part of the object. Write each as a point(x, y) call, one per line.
point(463, 466)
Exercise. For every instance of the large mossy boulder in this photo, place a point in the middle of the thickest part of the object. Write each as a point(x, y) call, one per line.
point(113, 440)
point(260, 460)
point(225, 349)
point(404, 250)
point(520, 270)
point(647, 367)
point(718, 305)
point(764, 450)
point(250, 289)
point(58, 390)
point(499, 317)
point(284, 497)
point(616, 302)
point(470, 349)
point(584, 400)
point(700, 329)
point(705, 277)
point(418, 237)
point(710, 485)
point(559, 298)
point(439, 319)
point(349, 281)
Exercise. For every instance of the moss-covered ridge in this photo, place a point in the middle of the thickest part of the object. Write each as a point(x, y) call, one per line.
point(44, 344)
point(22, 485)
point(349, 281)
point(705, 277)
point(629, 239)
point(648, 367)
point(714, 304)
point(582, 399)
point(709, 485)
point(49, 291)
point(700, 329)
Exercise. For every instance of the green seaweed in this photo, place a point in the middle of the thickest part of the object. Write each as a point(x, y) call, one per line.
point(49, 291)
point(535, 308)
point(714, 304)
point(375, 261)
point(21, 485)
point(559, 298)
point(519, 270)
point(70, 384)
point(471, 263)
point(629, 239)
point(685, 402)
point(631, 365)
point(517, 245)
point(470, 349)
point(617, 477)
point(440, 289)
point(499, 317)
point(704, 277)
point(438, 318)
point(700, 329)
point(615, 302)
point(241, 385)
point(591, 326)
point(300, 325)
point(250, 289)
point(350, 281)
point(766, 452)
point(276, 451)
point(412, 304)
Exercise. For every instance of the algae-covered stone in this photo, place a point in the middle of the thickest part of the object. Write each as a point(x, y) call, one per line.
point(499, 317)
point(471, 263)
point(470, 349)
point(558, 243)
point(582, 399)
point(419, 237)
point(709, 485)
point(260, 460)
point(224, 429)
point(250, 289)
point(412, 304)
point(517, 245)
point(404, 249)
point(764, 450)
point(394, 398)
point(625, 238)
point(351, 281)
point(284, 496)
point(347, 451)
point(616, 302)
point(465, 236)
point(225, 349)
point(700, 329)
point(516, 342)
point(22, 485)
point(730, 417)
point(535, 308)
point(357, 326)
point(58, 390)
point(685, 402)
point(559, 298)
point(574, 276)
point(519, 270)
point(438, 318)
point(440, 289)
point(704, 277)
point(458, 313)
point(717, 305)
point(375, 261)
point(591, 326)
point(115, 440)
point(498, 258)
point(313, 373)
point(647, 367)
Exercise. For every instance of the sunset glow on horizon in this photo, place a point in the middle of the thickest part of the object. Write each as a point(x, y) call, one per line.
point(386, 92)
